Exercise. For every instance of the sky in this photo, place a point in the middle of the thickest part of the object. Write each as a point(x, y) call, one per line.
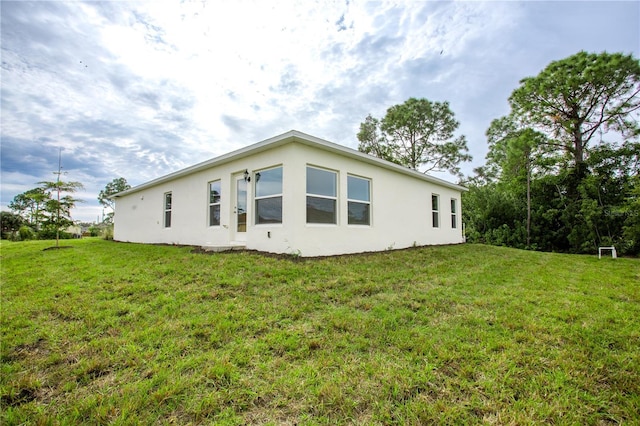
point(142, 89)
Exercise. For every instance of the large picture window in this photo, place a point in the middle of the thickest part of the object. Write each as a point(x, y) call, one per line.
point(358, 200)
point(268, 196)
point(167, 210)
point(214, 203)
point(454, 211)
point(435, 206)
point(321, 196)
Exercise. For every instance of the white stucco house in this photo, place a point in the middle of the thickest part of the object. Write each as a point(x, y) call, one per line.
point(293, 193)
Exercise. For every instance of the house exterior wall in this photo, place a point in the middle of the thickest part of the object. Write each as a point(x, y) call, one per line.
point(139, 216)
point(401, 211)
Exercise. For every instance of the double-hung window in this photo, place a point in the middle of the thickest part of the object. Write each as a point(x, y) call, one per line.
point(358, 200)
point(268, 196)
point(454, 221)
point(167, 210)
point(435, 201)
point(321, 195)
point(214, 203)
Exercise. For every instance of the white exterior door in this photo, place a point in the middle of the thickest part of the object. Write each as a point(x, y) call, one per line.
point(240, 206)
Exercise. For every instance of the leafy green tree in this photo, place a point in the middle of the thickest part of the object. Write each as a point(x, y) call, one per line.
point(493, 214)
point(575, 98)
point(30, 205)
point(612, 187)
point(58, 208)
point(115, 186)
point(416, 134)
point(514, 152)
point(373, 142)
point(631, 227)
point(598, 216)
point(10, 224)
point(581, 190)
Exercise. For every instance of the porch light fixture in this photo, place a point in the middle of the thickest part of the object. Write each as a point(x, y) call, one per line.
point(258, 177)
point(247, 178)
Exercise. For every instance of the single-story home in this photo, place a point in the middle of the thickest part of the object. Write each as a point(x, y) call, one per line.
point(296, 194)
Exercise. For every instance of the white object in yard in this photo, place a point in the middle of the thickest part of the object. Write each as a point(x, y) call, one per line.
point(614, 255)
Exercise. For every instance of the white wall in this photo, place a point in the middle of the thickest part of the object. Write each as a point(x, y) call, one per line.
point(139, 215)
point(400, 208)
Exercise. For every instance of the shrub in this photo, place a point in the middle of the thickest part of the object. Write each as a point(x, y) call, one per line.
point(10, 223)
point(49, 233)
point(26, 233)
point(94, 231)
point(107, 233)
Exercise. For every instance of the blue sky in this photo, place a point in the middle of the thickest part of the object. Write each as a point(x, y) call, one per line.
point(141, 89)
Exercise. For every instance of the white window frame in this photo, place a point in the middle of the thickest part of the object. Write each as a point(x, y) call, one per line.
point(435, 211)
point(214, 204)
point(321, 196)
point(357, 201)
point(256, 198)
point(167, 210)
point(454, 213)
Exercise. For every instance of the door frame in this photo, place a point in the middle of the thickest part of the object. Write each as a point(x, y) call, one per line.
point(237, 182)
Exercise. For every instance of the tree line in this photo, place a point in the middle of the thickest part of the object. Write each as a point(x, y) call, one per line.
point(44, 212)
point(562, 171)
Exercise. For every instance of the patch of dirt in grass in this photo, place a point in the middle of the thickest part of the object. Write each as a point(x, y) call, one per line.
point(27, 350)
point(56, 248)
point(22, 397)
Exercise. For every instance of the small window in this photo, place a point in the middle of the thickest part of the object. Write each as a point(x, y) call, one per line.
point(321, 196)
point(214, 203)
point(268, 196)
point(358, 200)
point(454, 211)
point(435, 220)
point(167, 210)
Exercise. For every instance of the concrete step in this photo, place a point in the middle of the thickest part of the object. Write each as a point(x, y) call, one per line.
point(230, 247)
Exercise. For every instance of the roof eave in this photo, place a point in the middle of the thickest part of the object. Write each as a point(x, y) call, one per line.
point(290, 136)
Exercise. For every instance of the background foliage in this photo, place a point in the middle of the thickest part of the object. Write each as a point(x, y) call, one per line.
point(563, 168)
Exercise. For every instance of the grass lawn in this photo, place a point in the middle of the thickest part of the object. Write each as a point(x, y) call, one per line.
point(115, 333)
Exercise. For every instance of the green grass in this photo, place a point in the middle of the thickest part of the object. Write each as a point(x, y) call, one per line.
point(115, 333)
